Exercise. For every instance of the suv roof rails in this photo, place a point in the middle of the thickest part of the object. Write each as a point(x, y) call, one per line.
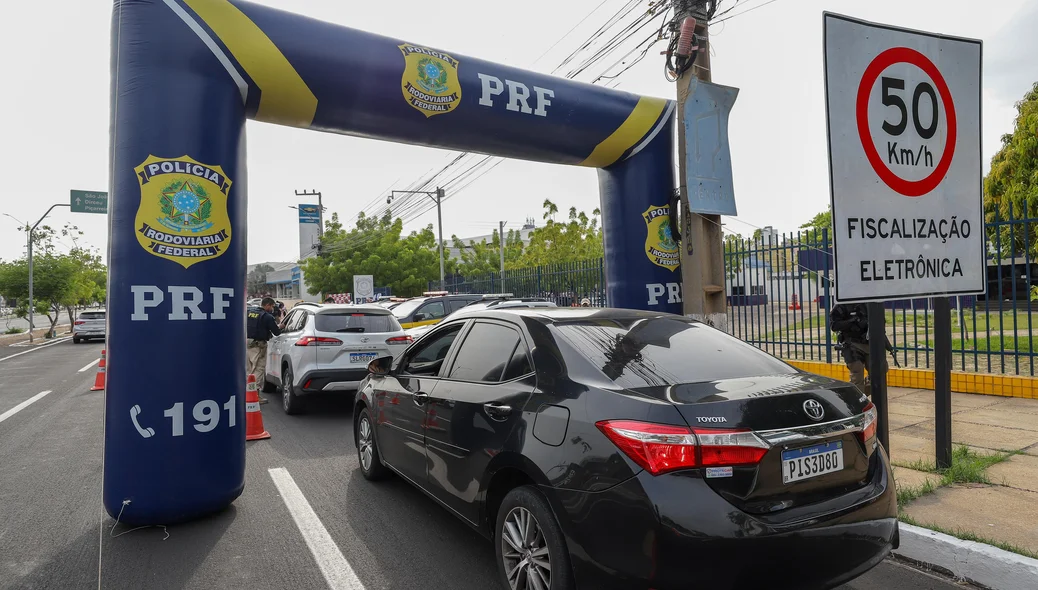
point(498, 296)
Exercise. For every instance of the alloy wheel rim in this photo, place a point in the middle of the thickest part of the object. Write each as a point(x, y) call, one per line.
point(286, 395)
point(525, 552)
point(366, 453)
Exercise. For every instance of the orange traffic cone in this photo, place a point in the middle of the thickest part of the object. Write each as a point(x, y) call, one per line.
point(253, 417)
point(99, 379)
point(795, 303)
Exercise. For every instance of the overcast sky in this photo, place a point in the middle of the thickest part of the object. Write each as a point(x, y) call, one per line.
point(55, 127)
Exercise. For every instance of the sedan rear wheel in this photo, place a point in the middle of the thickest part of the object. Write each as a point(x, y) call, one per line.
point(531, 551)
point(367, 448)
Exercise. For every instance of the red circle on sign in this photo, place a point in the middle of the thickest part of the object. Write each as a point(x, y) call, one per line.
point(909, 188)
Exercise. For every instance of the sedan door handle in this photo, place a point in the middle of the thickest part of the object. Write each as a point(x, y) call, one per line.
point(495, 410)
point(420, 398)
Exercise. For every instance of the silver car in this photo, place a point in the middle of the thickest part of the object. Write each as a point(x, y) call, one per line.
point(89, 324)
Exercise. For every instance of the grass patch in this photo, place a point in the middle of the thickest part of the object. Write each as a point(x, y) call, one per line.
point(995, 344)
point(906, 494)
point(966, 535)
point(14, 330)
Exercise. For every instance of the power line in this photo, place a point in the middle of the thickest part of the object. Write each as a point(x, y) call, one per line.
point(751, 9)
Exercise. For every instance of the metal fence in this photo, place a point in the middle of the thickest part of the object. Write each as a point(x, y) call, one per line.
point(565, 284)
point(779, 298)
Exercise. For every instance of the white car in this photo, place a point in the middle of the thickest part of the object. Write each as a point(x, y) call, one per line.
point(89, 324)
point(327, 348)
point(418, 331)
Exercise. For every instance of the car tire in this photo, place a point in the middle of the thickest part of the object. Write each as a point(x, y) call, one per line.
point(541, 550)
point(371, 466)
point(290, 402)
point(268, 387)
point(76, 340)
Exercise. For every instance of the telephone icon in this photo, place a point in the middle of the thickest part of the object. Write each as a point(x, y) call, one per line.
point(144, 432)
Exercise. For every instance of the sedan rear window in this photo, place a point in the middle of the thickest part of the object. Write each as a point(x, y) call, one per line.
point(358, 322)
point(643, 352)
point(92, 315)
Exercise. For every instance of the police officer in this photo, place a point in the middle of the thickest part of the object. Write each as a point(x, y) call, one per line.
point(851, 323)
point(260, 327)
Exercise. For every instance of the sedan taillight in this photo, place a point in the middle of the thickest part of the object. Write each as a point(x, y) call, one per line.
point(868, 429)
point(660, 448)
point(318, 341)
point(400, 340)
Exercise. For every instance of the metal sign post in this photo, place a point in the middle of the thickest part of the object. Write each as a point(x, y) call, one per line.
point(903, 114)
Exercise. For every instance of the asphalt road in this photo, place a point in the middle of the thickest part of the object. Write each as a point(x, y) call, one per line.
point(55, 534)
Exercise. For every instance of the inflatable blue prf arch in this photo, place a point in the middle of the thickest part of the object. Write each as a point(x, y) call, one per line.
point(186, 74)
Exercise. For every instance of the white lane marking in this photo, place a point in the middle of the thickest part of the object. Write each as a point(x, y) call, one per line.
point(23, 405)
point(35, 349)
point(337, 571)
point(86, 368)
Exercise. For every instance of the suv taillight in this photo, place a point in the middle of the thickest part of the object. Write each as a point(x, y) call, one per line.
point(660, 448)
point(80, 322)
point(400, 340)
point(318, 341)
point(868, 429)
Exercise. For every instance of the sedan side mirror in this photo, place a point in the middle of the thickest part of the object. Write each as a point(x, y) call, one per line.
point(419, 317)
point(381, 365)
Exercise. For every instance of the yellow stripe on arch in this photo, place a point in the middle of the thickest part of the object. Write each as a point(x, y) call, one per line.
point(284, 96)
point(638, 123)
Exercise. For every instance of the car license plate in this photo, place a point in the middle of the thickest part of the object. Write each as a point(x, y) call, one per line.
point(363, 357)
point(808, 462)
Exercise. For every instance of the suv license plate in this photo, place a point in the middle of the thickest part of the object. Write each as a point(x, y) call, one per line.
point(808, 462)
point(363, 357)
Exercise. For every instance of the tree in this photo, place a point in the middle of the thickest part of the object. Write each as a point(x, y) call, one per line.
point(60, 281)
point(1011, 187)
point(579, 238)
point(480, 258)
point(816, 224)
point(256, 281)
point(374, 247)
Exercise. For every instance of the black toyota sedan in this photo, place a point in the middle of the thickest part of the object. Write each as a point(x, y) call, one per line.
point(609, 448)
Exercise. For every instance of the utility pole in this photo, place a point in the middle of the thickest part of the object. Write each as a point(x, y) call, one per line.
point(28, 247)
point(501, 238)
point(437, 197)
point(702, 254)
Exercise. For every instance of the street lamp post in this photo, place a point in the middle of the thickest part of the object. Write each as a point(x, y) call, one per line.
point(28, 251)
point(437, 197)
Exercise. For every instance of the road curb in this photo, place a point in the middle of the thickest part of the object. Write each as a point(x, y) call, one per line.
point(975, 562)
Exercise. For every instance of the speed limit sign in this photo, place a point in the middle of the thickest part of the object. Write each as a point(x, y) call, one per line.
point(903, 110)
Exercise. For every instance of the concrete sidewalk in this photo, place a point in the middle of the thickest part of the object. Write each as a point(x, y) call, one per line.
point(991, 492)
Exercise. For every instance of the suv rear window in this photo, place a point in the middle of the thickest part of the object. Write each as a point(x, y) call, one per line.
point(92, 315)
point(358, 322)
point(663, 351)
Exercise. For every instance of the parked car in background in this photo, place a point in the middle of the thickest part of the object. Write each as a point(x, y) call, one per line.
point(611, 448)
point(493, 302)
point(89, 325)
point(326, 348)
point(430, 308)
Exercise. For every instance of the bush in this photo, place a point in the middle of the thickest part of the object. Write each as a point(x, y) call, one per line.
point(14, 331)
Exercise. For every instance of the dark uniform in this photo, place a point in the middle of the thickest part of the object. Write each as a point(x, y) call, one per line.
point(260, 327)
point(851, 323)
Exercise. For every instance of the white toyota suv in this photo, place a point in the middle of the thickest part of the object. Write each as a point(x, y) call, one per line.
point(327, 348)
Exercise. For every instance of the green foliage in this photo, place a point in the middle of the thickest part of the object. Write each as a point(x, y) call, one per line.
point(256, 281)
point(60, 281)
point(578, 238)
point(480, 258)
point(1012, 184)
point(820, 221)
point(10, 331)
point(375, 247)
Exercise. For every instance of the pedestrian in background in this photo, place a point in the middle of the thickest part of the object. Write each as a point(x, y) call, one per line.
point(260, 327)
point(851, 323)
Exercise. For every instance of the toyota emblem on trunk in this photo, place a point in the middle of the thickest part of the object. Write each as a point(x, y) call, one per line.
point(814, 410)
